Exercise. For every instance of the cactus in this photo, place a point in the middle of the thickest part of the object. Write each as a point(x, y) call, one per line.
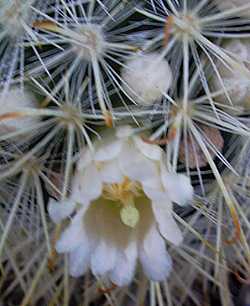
point(124, 152)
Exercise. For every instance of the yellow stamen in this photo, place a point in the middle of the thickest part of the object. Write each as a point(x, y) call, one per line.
point(122, 191)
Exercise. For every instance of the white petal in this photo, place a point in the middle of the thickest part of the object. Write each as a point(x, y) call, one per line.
point(108, 151)
point(166, 223)
point(154, 195)
point(110, 172)
point(73, 235)
point(125, 265)
point(86, 185)
point(104, 257)
point(148, 150)
point(153, 189)
point(85, 159)
point(178, 187)
point(124, 131)
point(155, 260)
point(79, 260)
point(134, 165)
point(60, 210)
point(70, 239)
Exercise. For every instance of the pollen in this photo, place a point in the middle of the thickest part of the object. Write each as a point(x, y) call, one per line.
point(121, 191)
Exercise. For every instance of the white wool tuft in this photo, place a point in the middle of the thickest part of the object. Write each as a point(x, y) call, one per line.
point(234, 4)
point(147, 78)
point(236, 82)
point(15, 100)
point(13, 14)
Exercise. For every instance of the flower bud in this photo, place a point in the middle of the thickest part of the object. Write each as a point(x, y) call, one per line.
point(148, 77)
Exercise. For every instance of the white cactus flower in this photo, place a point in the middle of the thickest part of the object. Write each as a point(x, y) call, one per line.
point(234, 4)
point(236, 83)
point(124, 198)
point(148, 77)
point(12, 104)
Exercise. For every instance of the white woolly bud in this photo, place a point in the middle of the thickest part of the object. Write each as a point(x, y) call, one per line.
point(236, 83)
point(230, 4)
point(11, 106)
point(147, 78)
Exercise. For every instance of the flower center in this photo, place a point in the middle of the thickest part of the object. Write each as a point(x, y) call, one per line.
point(124, 193)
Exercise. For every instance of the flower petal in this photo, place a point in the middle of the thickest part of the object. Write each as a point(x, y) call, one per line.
point(73, 235)
point(124, 131)
point(104, 257)
point(60, 210)
point(148, 150)
point(178, 187)
point(125, 265)
point(134, 165)
point(166, 223)
point(87, 185)
point(110, 172)
point(85, 159)
point(153, 189)
point(79, 260)
point(108, 151)
point(155, 260)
